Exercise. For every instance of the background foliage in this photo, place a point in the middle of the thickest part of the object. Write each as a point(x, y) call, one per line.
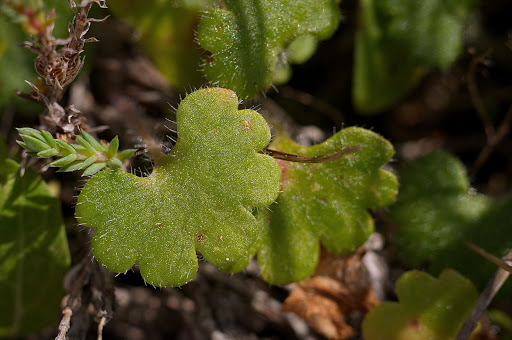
point(433, 75)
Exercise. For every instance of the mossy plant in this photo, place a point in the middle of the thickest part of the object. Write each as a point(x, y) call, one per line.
point(199, 196)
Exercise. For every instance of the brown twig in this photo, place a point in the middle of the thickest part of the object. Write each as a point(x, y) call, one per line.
point(493, 136)
point(65, 323)
point(492, 142)
point(493, 286)
point(314, 159)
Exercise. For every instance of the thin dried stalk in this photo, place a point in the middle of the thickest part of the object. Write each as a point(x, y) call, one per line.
point(58, 62)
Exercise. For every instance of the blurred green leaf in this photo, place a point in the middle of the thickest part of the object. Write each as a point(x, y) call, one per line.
point(34, 253)
point(246, 36)
point(397, 41)
point(323, 203)
point(427, 308)
point(436, 211)
point(166, 29)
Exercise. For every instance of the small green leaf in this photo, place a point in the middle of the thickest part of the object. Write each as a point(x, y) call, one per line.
point(73, 166)
point(30, 132)
point(96, 167)
point(427, 308)
point(33, 251)
point(246, 36)
point(47, 153)
point(196, 197)
point(323, 203)
point(115, 163)
point(113, 147)
point(23, 145)
point(93, 142)
point(79, 165)
point(125, 154)
point(63, 161)
point(66, 146)
point(83, 142)
point(437, 211)
point(35, 144)
point(49, 139)
point(301, 49)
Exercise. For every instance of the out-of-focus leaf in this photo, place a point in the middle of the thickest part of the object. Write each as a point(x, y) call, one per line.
point(436, 212)
point(197, 197)
point(246, 36)
point(397, 41)
point(34, 253)
point(323, 203)
point(166, 29)
point(427, 308)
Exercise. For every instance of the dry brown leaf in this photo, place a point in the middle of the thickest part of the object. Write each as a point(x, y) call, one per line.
point(339, 286)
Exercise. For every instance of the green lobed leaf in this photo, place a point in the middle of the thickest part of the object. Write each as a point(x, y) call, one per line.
point(323, 203)
point(437, 211)
point(34, 254)
point(195, 198)
point(420, 34)
point(427, 308)
point(246, 36)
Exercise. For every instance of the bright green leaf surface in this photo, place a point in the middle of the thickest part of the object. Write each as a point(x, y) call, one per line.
point(324, 202)
point(245, 38)
point(397, 40)
point(33, 251)
point(195, 198)
point(436, 212)
point(427, 308)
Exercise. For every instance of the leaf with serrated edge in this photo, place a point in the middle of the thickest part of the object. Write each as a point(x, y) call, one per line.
point(245, 38)
point(324, 203)
point(427, 308)
point(196, 197)
point(33, 252)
